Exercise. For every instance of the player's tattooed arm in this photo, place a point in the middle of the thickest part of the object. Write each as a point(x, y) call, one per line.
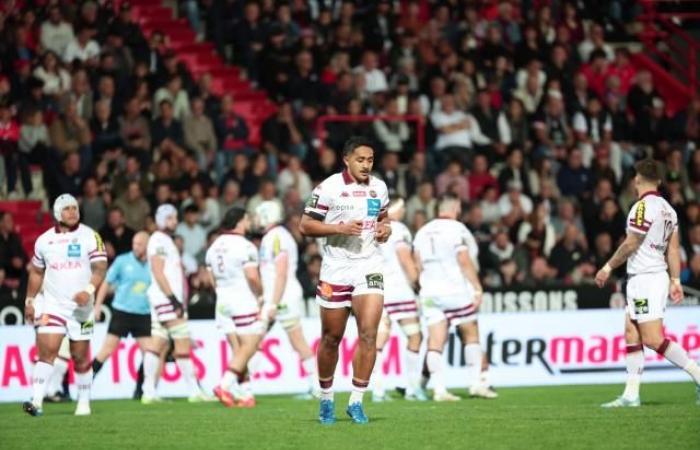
point(630, 245)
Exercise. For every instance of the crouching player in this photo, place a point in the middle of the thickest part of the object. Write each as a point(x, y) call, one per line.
point(232, 261)
point(70, 262)
point(450, 293)
point(279, 256)
point(400, 277)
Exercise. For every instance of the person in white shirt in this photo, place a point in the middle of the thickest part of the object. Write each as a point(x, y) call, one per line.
point(55, 33)
point(279, 259)
point(232, 262)
point(401, 278)
point(446, 252)
point(82, 48)
point(69, 264)
point(375, 79)
point(348, 209)
point(652, 252)
point(458, 131)
point(167, 296)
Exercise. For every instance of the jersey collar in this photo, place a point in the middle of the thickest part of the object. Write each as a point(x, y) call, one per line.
point(348, 179)
point(648, 193)
point(231, 233)
point(57, 229)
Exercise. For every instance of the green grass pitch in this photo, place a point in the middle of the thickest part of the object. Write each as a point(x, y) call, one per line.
point(523, 418)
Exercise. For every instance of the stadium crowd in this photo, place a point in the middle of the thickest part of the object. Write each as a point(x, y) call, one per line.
point(533, 117)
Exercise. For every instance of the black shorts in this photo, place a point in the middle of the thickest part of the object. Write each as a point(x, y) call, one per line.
point(124, 323)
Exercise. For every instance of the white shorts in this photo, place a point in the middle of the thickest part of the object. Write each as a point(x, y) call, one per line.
point(646, 296)
point(343, 279)
point(161, 309)
point(455, 309)
point(50, 317)
point(399, 300)
point(239, 315)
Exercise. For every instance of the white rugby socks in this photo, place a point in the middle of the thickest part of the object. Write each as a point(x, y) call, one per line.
point(187, 371)
point(359, 387)
point(412, 364)
point(55, 384)
point(83, 382)
point(472, 355)
point(678, 356)
point(40, 378)
point(378, 375)
point(228, 380)
point(326, 388)
point(309, 365)
point(635, 366)
point(435, 366)
point(151, 361)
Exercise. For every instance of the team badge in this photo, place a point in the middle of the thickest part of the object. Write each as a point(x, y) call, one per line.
point(641, 305)
point(373, 194)
point(326, 290)
point(373, 207)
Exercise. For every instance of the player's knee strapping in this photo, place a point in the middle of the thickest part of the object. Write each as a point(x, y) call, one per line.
point(179, 331)
point(291, 324)
point(411, 329)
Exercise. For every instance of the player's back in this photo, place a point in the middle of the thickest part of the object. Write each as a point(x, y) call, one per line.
point(437, 244)
point(227, 258)
point(276, 241)
point(656, 219)
point(162, 245)
point(400, 236)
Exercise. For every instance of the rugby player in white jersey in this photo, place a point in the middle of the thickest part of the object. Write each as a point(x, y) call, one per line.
point(349, 210)
point(400, 280)
point(652, 252)
point(450, 293)
point(69, 264)
point(166, 295)
point(232, 261)
point(279, 257)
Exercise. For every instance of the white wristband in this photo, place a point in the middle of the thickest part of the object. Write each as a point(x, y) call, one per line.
point(28, 301)
point(90, 289)
point(676, 281)
point(606, 268)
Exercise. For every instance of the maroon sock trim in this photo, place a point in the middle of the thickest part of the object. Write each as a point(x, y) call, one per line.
point(635, 348)
point(662, 348)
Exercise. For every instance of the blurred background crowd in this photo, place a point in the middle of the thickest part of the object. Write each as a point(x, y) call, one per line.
point(532, 112)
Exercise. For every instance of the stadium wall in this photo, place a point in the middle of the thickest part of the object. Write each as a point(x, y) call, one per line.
point(537, 348)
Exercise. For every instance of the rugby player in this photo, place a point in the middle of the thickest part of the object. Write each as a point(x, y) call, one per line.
point(652, 252)
point(349, 210)
point(68, 265)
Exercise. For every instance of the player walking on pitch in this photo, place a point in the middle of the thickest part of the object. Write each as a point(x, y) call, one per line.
point(166, 295)
point(279, 257)
point(232, 261)
point(652, 251)
point(70, 263)
point(400, 277)
point(450, 292)
point(349, 209)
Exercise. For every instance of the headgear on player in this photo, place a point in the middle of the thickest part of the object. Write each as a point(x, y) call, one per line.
point(268, 213)
point(162, 213)
point(62, 202)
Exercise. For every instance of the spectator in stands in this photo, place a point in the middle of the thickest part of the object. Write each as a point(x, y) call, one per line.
point(56, 79)
point(33, 145)
point(56, 33)
point(374, 78)
point(208, 210)
point(513, 204)
point(173, 91)
point(513, 127)
point(569, 256)
point(248, 39)
point(552, 131)
point(515, 170)
point(538, 227)
point(9, 137)
point(453, 181)
point(136, 132)
point(104, 126)
point(567, 214)
point(199, 134)
point(423, 200)
point(304, 84)
point(530, 94)
point(167, 134)
point(391, 173)
point(592, 127)
point(595, 41)
point(194, 236)
point(611, 220)
point(132, 172)
point(691, 274)
point(540, 274)
point(640, 98)
point(393, 134)
point(13, 259)
point(266, 192)
point(486, 116)
point(573, 178)
point(458, 132)
point(230, 197)
point(134, 205)
point(480, 177)
point(282, 137)
point(82, 48)
point(294, 177)
point(93, 210)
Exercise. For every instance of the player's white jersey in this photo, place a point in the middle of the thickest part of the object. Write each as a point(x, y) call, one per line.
point(400, 237)
point(438, 243)
point(339, 199)
point(656, 219)
point(66, 259)
point(228, 255)
point(279, 241)
point(161, 244)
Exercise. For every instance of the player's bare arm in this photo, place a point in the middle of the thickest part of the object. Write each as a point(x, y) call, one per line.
point(308, 226)
point(673, 258)
point(630, 245)
point(469, 272)
point(403, 253)
point(158, 268)
point(36, 278)
point(99, 270)
point(105, 288)
point(252, 276)
point(281, 268)
point(383, 229)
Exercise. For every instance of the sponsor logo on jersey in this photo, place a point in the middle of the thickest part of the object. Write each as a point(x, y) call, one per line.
point(343, 207)
point(639, 215)
point(641, 305)
point(374, 205)
point(359, 194)
point(345, 194)
point(326, 291)
point(313, 201)
point(74, 250)
point(375, 280)
point(86, 327)
point(66, 265)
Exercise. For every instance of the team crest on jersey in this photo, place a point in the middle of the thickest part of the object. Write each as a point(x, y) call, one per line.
point(326, 290)
point(373, 193)
point(639, 215)
point(375, 280)
point(74, 250)
point(373, 207)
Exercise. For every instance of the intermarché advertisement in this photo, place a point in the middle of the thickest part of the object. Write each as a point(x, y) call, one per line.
point(526, 348)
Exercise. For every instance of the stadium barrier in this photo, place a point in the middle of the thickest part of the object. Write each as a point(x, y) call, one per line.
point(537, 348)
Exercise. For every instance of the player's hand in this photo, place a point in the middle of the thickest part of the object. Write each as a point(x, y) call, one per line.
point(352, 228)
point(29, 312)
point(270, 313)
point(98, 313)
point(478, 298)
point(82, 298)
point(676, 292)
point(177, 306)
point(602, 277)
point(382, 232)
